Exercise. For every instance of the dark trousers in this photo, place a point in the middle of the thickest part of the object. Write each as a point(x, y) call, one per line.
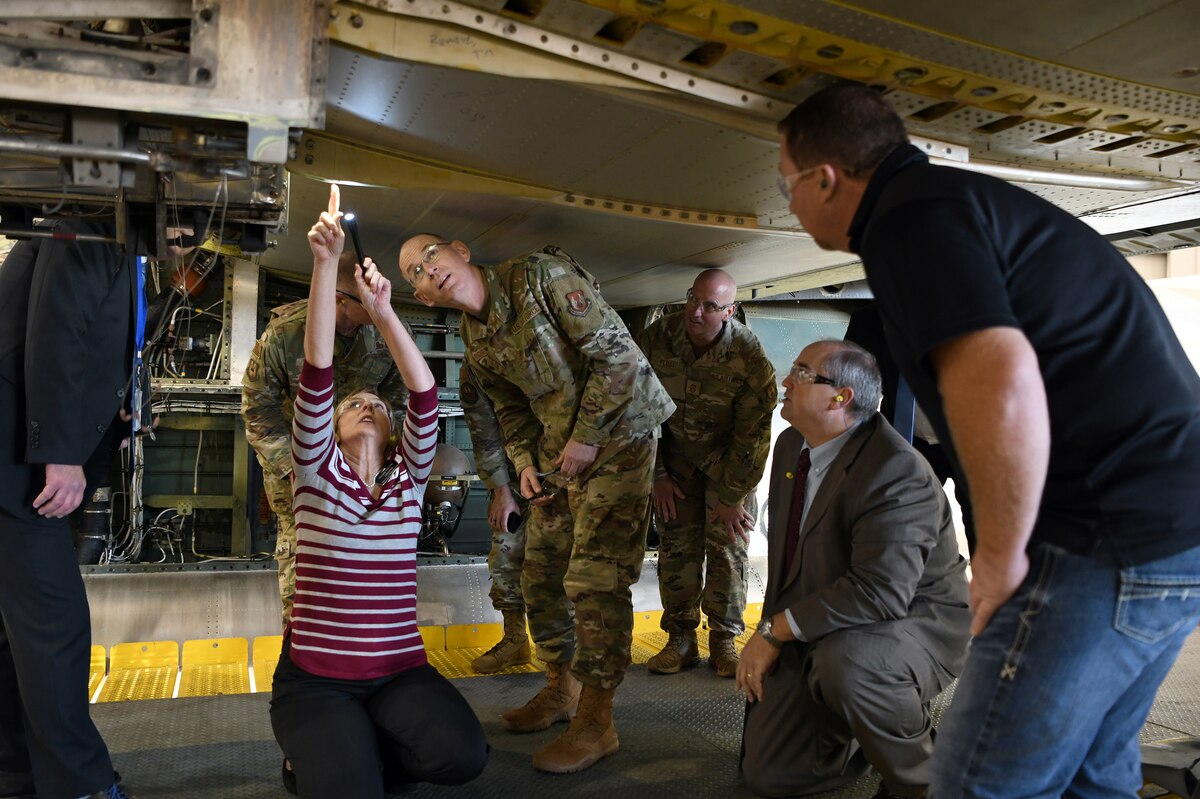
point(45, 647)
point(358, 737)
point(857, 696)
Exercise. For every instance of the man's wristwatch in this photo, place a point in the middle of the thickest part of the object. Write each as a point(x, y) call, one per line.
point(764, 629)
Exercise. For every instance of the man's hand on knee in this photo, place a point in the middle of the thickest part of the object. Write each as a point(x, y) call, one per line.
point(758, 660)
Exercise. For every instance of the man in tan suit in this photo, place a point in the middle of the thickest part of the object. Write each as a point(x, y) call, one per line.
point(865, 618)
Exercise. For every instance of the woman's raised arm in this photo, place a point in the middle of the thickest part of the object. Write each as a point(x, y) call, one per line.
point(326, 241)
point(375, 291)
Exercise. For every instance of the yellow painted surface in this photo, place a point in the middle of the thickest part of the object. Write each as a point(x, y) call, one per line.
point(434, 637)
point(264, 658)
point(96, 670)
point(141, 670)
point(215, 667)
point(454, 664)
point(473, 636)
point(646, 621)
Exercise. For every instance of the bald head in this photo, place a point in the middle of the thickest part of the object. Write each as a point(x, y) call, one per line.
point(717, 284)
point(710, 303)
point(413, 249)
point(441, 273)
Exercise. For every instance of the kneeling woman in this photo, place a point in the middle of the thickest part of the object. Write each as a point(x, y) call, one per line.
point(356, 707)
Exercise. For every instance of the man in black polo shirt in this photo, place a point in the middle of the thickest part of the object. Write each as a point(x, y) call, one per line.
point(1074, 417)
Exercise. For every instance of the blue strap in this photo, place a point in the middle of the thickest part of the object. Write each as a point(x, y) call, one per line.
point(906, 405)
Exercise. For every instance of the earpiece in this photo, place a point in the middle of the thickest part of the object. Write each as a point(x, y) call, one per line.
point(839, 398)
point(824, 184)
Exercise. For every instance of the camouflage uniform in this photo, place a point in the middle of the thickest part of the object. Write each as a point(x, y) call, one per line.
point(715, 448)
point(559, 364)
point(268, 387)
point(507, 554)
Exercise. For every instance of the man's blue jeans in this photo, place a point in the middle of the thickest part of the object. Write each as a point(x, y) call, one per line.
point(1057, 687)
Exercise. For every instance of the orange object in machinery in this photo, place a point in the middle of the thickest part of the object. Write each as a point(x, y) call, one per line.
point(189, 280)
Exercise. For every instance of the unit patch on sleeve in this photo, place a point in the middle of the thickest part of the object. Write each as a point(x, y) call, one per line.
point(468, 393)
point(578, 304)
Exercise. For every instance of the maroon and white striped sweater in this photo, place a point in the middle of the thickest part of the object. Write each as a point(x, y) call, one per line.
point(356, 579)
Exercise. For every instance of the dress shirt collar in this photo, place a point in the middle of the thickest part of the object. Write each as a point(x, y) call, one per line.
point(822, 456)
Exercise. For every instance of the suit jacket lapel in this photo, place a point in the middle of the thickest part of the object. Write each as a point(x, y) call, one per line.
point(780, 502)
point(830, 487)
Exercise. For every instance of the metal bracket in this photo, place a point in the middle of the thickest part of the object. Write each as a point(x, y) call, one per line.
point(94, 128)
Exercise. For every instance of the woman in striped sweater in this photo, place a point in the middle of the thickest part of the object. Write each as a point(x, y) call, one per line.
point(355, 706)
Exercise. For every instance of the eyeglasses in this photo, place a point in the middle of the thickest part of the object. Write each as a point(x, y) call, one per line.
point(357, 403)
point(347, 295)
point(709, 307)
point(785, 182)
point(802, 374)
point(549, 481)
point(428, 255)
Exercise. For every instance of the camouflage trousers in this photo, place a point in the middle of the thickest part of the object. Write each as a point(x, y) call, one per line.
point(506, 559)
point(583, 552)
point(279, 494)
point(685, 544)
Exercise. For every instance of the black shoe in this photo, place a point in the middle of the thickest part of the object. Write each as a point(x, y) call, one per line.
point(884, 793)
point(17, 785)
point(289, 779)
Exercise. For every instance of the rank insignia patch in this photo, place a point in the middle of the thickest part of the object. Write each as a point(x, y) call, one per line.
point(578, 304)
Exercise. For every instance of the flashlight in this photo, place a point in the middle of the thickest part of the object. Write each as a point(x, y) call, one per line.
point(351, 224)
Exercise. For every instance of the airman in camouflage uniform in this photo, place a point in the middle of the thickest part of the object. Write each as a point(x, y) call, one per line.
point(580, 409)
point(710, 461)
point(361, 360)
point(507, 555)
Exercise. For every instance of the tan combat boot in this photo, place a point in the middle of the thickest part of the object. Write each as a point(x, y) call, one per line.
point(679, 653)
point(512, 650)
point(722, 654)
point(590, 737)
point(556, 702)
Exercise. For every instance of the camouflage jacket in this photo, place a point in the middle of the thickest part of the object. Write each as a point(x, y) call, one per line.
point(486, 438)
point(273, 373)
point(724, 400)
point(558, 363)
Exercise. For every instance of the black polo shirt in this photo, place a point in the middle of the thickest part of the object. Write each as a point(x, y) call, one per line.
point(948, 252)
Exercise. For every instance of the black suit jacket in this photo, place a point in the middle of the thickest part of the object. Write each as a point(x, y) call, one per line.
point(877, 546)
point(66, 345)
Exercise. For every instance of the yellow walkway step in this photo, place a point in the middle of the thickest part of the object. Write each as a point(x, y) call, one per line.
point(265, 657)
point(96, 669)
point(141, 670)
point(215, 667)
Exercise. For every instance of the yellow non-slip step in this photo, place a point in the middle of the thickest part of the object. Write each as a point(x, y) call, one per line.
point(219, 666)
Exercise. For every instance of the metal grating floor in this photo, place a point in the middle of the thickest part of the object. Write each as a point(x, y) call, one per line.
point(680, 737)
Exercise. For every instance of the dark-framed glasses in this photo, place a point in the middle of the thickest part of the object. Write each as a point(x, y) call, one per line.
point(428, 255)
point(802, 374)
point(709, 307)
